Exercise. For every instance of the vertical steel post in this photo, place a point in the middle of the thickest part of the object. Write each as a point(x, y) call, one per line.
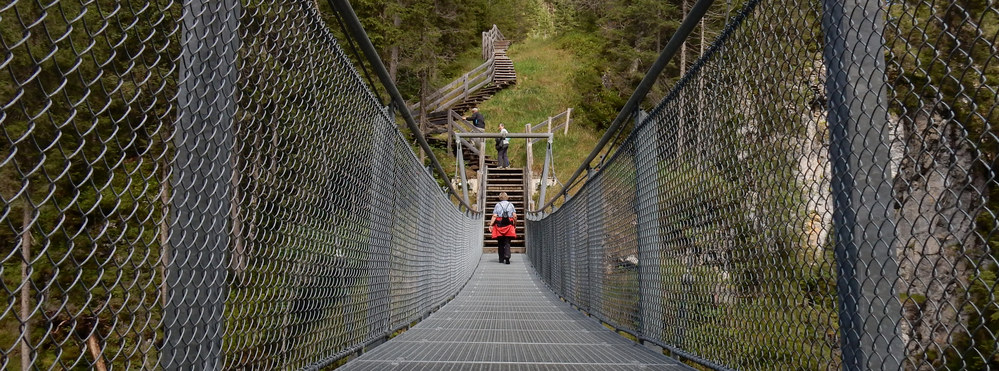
point(528, 172)
point(199, 233)
point(381, 190)
point(544, 171)
point(484, 172)
point(650, 280)
point(461, 169)
point(864, 230)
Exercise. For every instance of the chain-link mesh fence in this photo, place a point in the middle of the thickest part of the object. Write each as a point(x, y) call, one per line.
point(817, 192)
point(206, 185)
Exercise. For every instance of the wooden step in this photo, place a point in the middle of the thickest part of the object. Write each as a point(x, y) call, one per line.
point(519, 240)
point(491, 205)
point(487, 230)
point(488, 240)
point(513, 250)
point(492, 200)
point(516, 203)
point(513, 243)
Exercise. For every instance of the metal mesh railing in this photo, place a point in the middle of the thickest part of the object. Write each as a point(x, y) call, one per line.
point(818, 192)
point(206, 185)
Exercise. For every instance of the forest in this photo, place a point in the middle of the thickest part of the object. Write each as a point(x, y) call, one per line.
point(618, 40)
point(89, 92)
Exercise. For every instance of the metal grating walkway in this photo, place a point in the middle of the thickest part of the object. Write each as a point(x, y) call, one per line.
point(506, 319)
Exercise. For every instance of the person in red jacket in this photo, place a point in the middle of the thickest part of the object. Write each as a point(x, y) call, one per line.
point(504, 226)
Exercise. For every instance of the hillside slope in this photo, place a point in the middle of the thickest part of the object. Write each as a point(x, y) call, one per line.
point(543, 89)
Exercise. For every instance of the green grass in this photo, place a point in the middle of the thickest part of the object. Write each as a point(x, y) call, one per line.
point(543, 89)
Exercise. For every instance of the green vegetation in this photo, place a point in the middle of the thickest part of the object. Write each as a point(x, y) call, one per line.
point(723, 263)
point(954, 98)
point(90, 96)
point(544, 89)
point(81, 171)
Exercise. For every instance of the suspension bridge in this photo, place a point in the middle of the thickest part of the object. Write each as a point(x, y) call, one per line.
point(215, 185)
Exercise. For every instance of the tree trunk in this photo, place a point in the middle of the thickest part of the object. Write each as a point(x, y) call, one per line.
point(423, 111)
point(683, 47)
point(95, 351)
point(700, 81)
point(393, 66)
point(26, 215)
point(164, 227)
point(682, 137)
point(939, 197)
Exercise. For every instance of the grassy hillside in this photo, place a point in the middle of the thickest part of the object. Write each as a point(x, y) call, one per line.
point(543, 89)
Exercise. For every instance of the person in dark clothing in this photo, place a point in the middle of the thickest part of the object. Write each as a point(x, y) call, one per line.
point(504, 226)
point(476, 119)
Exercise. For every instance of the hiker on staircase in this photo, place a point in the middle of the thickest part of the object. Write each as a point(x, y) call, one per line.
point(476, 119)
point(504, 226)
point(502, 144)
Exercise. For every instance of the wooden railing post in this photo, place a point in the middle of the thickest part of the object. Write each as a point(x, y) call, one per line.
point(464, 86)
point(450, 129)
point(568, 114)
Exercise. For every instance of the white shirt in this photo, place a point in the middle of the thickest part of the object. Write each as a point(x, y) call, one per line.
point(504, 205)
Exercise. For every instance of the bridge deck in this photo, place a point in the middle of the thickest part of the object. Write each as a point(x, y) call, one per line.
point(506, 319)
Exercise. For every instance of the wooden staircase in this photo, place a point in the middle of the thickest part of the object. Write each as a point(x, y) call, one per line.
point(503, 75)
point(472, 160)
point(510, 181)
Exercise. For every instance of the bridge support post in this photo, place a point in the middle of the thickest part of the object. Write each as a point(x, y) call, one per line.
point(544, 171)
point(646, 148)
point(461, 169)
point(528, 172)
point(202, 178)
point(382, 190)
point(864, 231)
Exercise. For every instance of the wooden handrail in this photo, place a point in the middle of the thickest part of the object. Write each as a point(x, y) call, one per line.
point(460, 97)
point(483, 71)
point(461, 88)
point(489, 39)
point(563, 125)
point(466, 126)
point(457, 82)
point(553, 118)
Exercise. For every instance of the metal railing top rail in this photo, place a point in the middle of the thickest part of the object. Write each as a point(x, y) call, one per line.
point(671, 49)
point(507, 135)
point(459, 125)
